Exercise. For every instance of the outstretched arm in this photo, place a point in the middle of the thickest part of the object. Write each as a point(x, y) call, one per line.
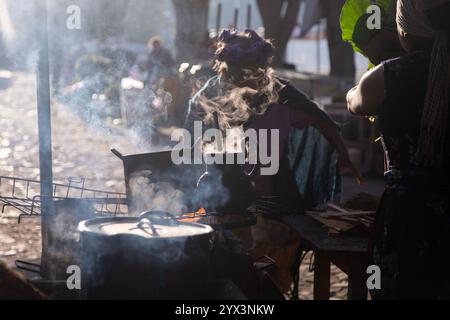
point(304, 112)
point(334, 137)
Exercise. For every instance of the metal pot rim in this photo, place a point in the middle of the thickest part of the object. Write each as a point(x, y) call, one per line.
point(85, 227)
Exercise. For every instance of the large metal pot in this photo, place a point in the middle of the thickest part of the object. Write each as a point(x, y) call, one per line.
point(148, 257)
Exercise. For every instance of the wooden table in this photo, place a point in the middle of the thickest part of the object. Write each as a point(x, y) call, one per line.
point(348, 253)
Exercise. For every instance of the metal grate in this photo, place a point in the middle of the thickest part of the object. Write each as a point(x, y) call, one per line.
point(268, 207)
point(23, 195)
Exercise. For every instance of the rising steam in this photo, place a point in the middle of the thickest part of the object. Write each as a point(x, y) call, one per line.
point(6, 25)
point(237, 104)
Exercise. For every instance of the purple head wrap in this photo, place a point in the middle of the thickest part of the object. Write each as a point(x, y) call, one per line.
point(259, 50)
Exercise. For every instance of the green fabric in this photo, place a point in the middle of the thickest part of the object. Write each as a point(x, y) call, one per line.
point(354, 21)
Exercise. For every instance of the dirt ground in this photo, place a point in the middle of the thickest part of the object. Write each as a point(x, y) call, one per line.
point(80, 150)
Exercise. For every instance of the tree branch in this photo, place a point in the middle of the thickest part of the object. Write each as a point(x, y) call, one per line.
point(290, 20)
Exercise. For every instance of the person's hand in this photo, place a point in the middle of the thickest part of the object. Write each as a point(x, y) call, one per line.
point(347, 166)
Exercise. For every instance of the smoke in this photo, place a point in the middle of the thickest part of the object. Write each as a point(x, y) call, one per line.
point(236, 104)
point(178, 192)
point(134, 130)
point(210, 192)
point(6, 26)
point(17, 37)
point(155, 196)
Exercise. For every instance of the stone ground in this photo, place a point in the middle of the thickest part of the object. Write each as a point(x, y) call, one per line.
point(81, 150)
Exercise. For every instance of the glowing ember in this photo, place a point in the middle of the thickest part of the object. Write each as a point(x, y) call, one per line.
point(194, 216)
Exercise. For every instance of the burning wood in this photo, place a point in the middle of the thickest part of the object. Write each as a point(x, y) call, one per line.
point(194, 216)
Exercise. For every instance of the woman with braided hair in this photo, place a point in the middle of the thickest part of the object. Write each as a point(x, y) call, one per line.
point(410, 96)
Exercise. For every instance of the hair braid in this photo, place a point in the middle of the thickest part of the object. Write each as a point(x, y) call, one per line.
point(435, 114)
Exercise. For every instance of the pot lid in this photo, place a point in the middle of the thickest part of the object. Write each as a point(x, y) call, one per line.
point(148, 226)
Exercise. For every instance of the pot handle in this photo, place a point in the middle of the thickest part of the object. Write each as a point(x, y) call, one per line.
point(145, 221)
point(252, 172)
point(117, 153)
point(151, 215)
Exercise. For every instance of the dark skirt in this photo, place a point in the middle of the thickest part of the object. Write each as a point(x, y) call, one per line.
point(412, 243)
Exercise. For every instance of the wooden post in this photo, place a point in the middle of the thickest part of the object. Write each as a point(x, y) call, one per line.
point(218, 17)
point(357, 287)
point(322, 267)
point(249, 16)
point(236, 18)
point(318, 48)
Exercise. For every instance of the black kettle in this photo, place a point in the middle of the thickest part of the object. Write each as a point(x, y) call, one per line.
point(226, 188)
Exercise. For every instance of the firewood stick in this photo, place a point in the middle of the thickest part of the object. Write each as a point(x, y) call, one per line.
point(336, 207)
point(339, 214)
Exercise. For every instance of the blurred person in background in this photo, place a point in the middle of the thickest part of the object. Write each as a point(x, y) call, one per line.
point(410, 97)
point(160, 63)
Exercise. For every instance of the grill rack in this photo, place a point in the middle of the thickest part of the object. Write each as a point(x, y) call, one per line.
point(269, 207)
point(23, 195)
